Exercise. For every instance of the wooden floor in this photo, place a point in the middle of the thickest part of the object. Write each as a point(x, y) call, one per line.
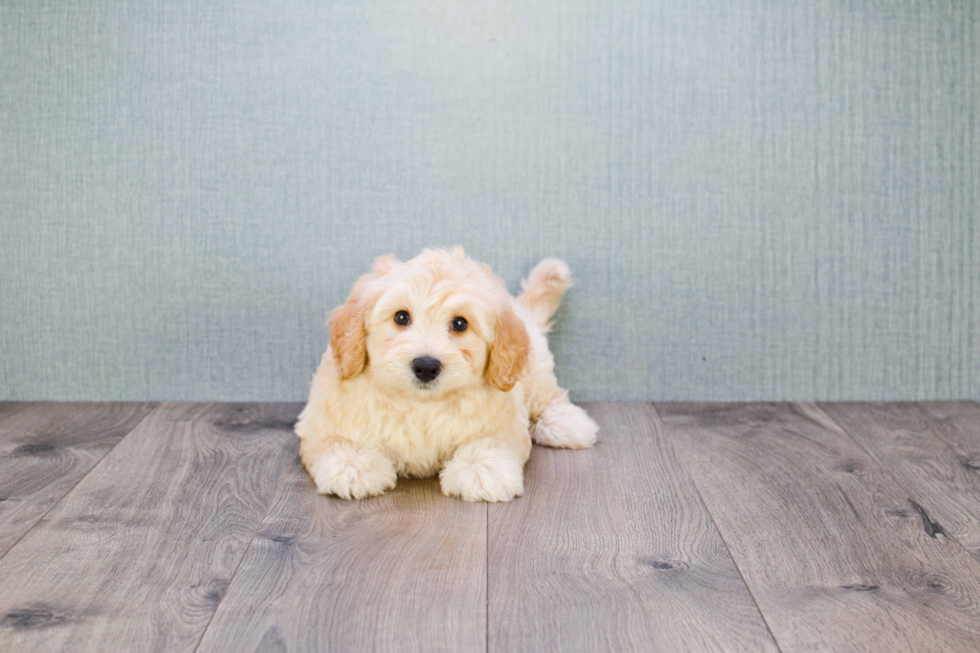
point(690, 527)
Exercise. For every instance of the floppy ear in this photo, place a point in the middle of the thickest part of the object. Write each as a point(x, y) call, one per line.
point(348, 323)
point(509, 352)
point(348, 337)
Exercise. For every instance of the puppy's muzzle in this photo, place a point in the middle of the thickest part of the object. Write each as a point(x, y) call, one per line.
point(426, 368)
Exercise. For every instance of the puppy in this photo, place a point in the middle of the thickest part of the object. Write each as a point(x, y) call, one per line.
point(434, 368)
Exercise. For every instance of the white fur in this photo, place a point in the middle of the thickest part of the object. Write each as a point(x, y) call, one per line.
point(353, 473)
point(564, 425)
point(481, 471)
point(358, 432)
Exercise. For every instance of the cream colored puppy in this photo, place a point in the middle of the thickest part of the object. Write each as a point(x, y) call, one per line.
point(434, 368)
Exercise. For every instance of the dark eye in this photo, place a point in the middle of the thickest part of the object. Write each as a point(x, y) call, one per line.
point(402, 318)
point(458, 324)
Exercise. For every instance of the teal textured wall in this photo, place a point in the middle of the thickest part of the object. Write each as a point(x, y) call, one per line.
point(759, 200)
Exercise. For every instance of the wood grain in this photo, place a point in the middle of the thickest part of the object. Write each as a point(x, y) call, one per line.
point(933, 453)
point(611, 549)
point(138, 554)
point(958, 424)
point(405, 571)
point(830, 546)
point(46, 448)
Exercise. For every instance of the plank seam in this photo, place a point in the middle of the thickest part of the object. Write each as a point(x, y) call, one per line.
point(245, 552)
point(486, 565)
point(728, 550)
point(156, 407)
point(914, 499)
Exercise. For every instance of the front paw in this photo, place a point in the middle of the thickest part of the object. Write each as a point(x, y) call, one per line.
point(483, 474)
point(353, 473)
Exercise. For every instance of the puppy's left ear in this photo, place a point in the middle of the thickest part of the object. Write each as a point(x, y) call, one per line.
point(509, 353)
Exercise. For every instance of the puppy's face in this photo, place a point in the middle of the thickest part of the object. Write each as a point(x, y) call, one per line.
point(438, 323)
point(427, 336)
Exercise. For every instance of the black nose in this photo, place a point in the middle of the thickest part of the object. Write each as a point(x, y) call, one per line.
point(426, 368)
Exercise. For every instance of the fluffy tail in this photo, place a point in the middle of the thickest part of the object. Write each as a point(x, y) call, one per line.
point(541, 292)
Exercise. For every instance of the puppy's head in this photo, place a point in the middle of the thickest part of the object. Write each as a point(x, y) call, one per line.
point(435, 324)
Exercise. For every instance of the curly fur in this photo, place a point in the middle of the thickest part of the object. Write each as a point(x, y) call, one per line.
point(369, 419)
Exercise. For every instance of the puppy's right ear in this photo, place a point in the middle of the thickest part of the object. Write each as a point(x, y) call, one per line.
point(348, 323)
point(348, 336)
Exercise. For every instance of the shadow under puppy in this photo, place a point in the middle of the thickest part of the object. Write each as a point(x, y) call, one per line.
point(434, 368)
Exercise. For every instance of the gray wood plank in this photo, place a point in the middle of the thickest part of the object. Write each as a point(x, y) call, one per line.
point(405, 571)
point(138, 554)
point(8, 408)
point(46, 448)
point(611, 549)
point(958, 424)
point(935, 457)
point(827, 541)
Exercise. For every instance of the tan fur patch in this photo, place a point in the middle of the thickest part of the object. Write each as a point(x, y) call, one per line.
point(509, 352)
point(348, 331)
